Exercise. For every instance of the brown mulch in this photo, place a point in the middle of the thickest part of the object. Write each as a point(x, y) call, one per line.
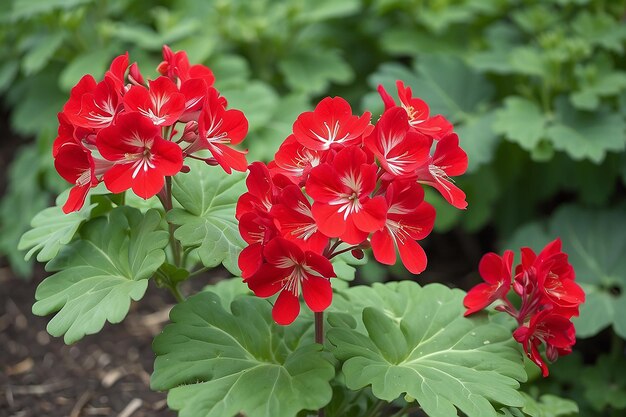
point(106, 374)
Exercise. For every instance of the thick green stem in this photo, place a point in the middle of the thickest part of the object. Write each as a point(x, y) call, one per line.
point(168, 205)
point(176, 293)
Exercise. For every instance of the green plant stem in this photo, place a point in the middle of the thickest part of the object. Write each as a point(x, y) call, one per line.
point(373, 412)
point(319, 338)
point(168, 205)
point(617, 346)
point(176, 293)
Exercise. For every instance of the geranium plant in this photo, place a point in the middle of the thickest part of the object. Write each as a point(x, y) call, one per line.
point(160, 192)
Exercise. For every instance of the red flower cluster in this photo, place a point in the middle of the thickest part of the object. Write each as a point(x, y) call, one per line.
point(123, 131)
point(549, 298)
point(340, 184)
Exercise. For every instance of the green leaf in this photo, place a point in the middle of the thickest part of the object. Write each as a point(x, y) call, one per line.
point(37, 58)
point(478, 139)
point(97, 275)
point(415, 340)
point(256, 99)
point(595, 243)
point(310, 70)
point(595, 81)
point(208, 197)
point(605, 383)
point(326, 10)
point(585, 135)
point(27, 8)
point(521, 121)
point(8, 71)
point(52, 229)
point(228, 290)
point(600, 29)
point(548, 406)
point(94, 62)
point(264, 143)
point(220, 362)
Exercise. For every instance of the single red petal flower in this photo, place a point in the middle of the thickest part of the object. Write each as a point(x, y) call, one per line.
point(399, 150)
point(162, 102)
point(287, 269)
point(418, 112)
point(549, 328)
point(295, 160)
point(142, 158)
point(448, 161)
point(75, 164)
point(495, 270)
point(218, 128)
point(330, 124)
point(296, 220)
point(98, 107)
point(409, 218)
point(341, 192)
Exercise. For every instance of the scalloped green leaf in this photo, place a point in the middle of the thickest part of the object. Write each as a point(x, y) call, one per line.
point(414, 340)
point(98, 275)
point(311, 70)
point(206, 221)
point(586, 135)
point(220, 362)
point(521, 121)
point(596, 243)
point(51, 230)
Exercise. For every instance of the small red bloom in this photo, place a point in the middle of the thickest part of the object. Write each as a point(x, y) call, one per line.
point(330, 124)
point(496, 272)
point(142, 157)
point(75, 164)
point(398, 149)
point(218, 128)
point(295, 160)
point(288, 269)
point(418, 112)
point(449, 160)
point(161, 103)
point(341, 192)
point(294, 215)
point(117, 71)
point(549, 328)
point(99, 103)
point(175, 65)
point(409, 218)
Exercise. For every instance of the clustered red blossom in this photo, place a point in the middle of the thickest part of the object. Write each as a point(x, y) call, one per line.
point(549, 298)
point(124, 131)
point(339, 184)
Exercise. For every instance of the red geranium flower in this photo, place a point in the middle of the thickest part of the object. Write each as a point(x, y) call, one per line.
point(142, 157)
point(449, 160)
point(75, 164)
point(549, 328)
point(418, 112)
point(294, 215)
point(409, 218)
point(99, 103)
point(341, 192)
point(398, 149)
point(287, 269)
point(162, 102)
point(330, 124)
point(218, 128)
point(295, 160)
point(496, 271)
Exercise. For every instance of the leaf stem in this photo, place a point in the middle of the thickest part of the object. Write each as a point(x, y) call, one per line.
point(373, 412)
point(176, 293)
point(168, 205)
point(319, 338)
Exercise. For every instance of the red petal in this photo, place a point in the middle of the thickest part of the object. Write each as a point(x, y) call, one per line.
point(383, 247)
point(267, 281)
point(413, 256)
point(372, 216)
point(478, 298)
point(329, 220)
point(317, 293)
point(286, 308)
point(250, 260)
point(76, 200)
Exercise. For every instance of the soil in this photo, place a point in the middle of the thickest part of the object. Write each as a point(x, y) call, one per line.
point(106, 374)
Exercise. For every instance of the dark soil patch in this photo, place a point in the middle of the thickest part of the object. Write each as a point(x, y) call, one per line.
point(106, 374)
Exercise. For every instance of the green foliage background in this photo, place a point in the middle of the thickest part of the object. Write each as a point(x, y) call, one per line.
point(536, 89)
